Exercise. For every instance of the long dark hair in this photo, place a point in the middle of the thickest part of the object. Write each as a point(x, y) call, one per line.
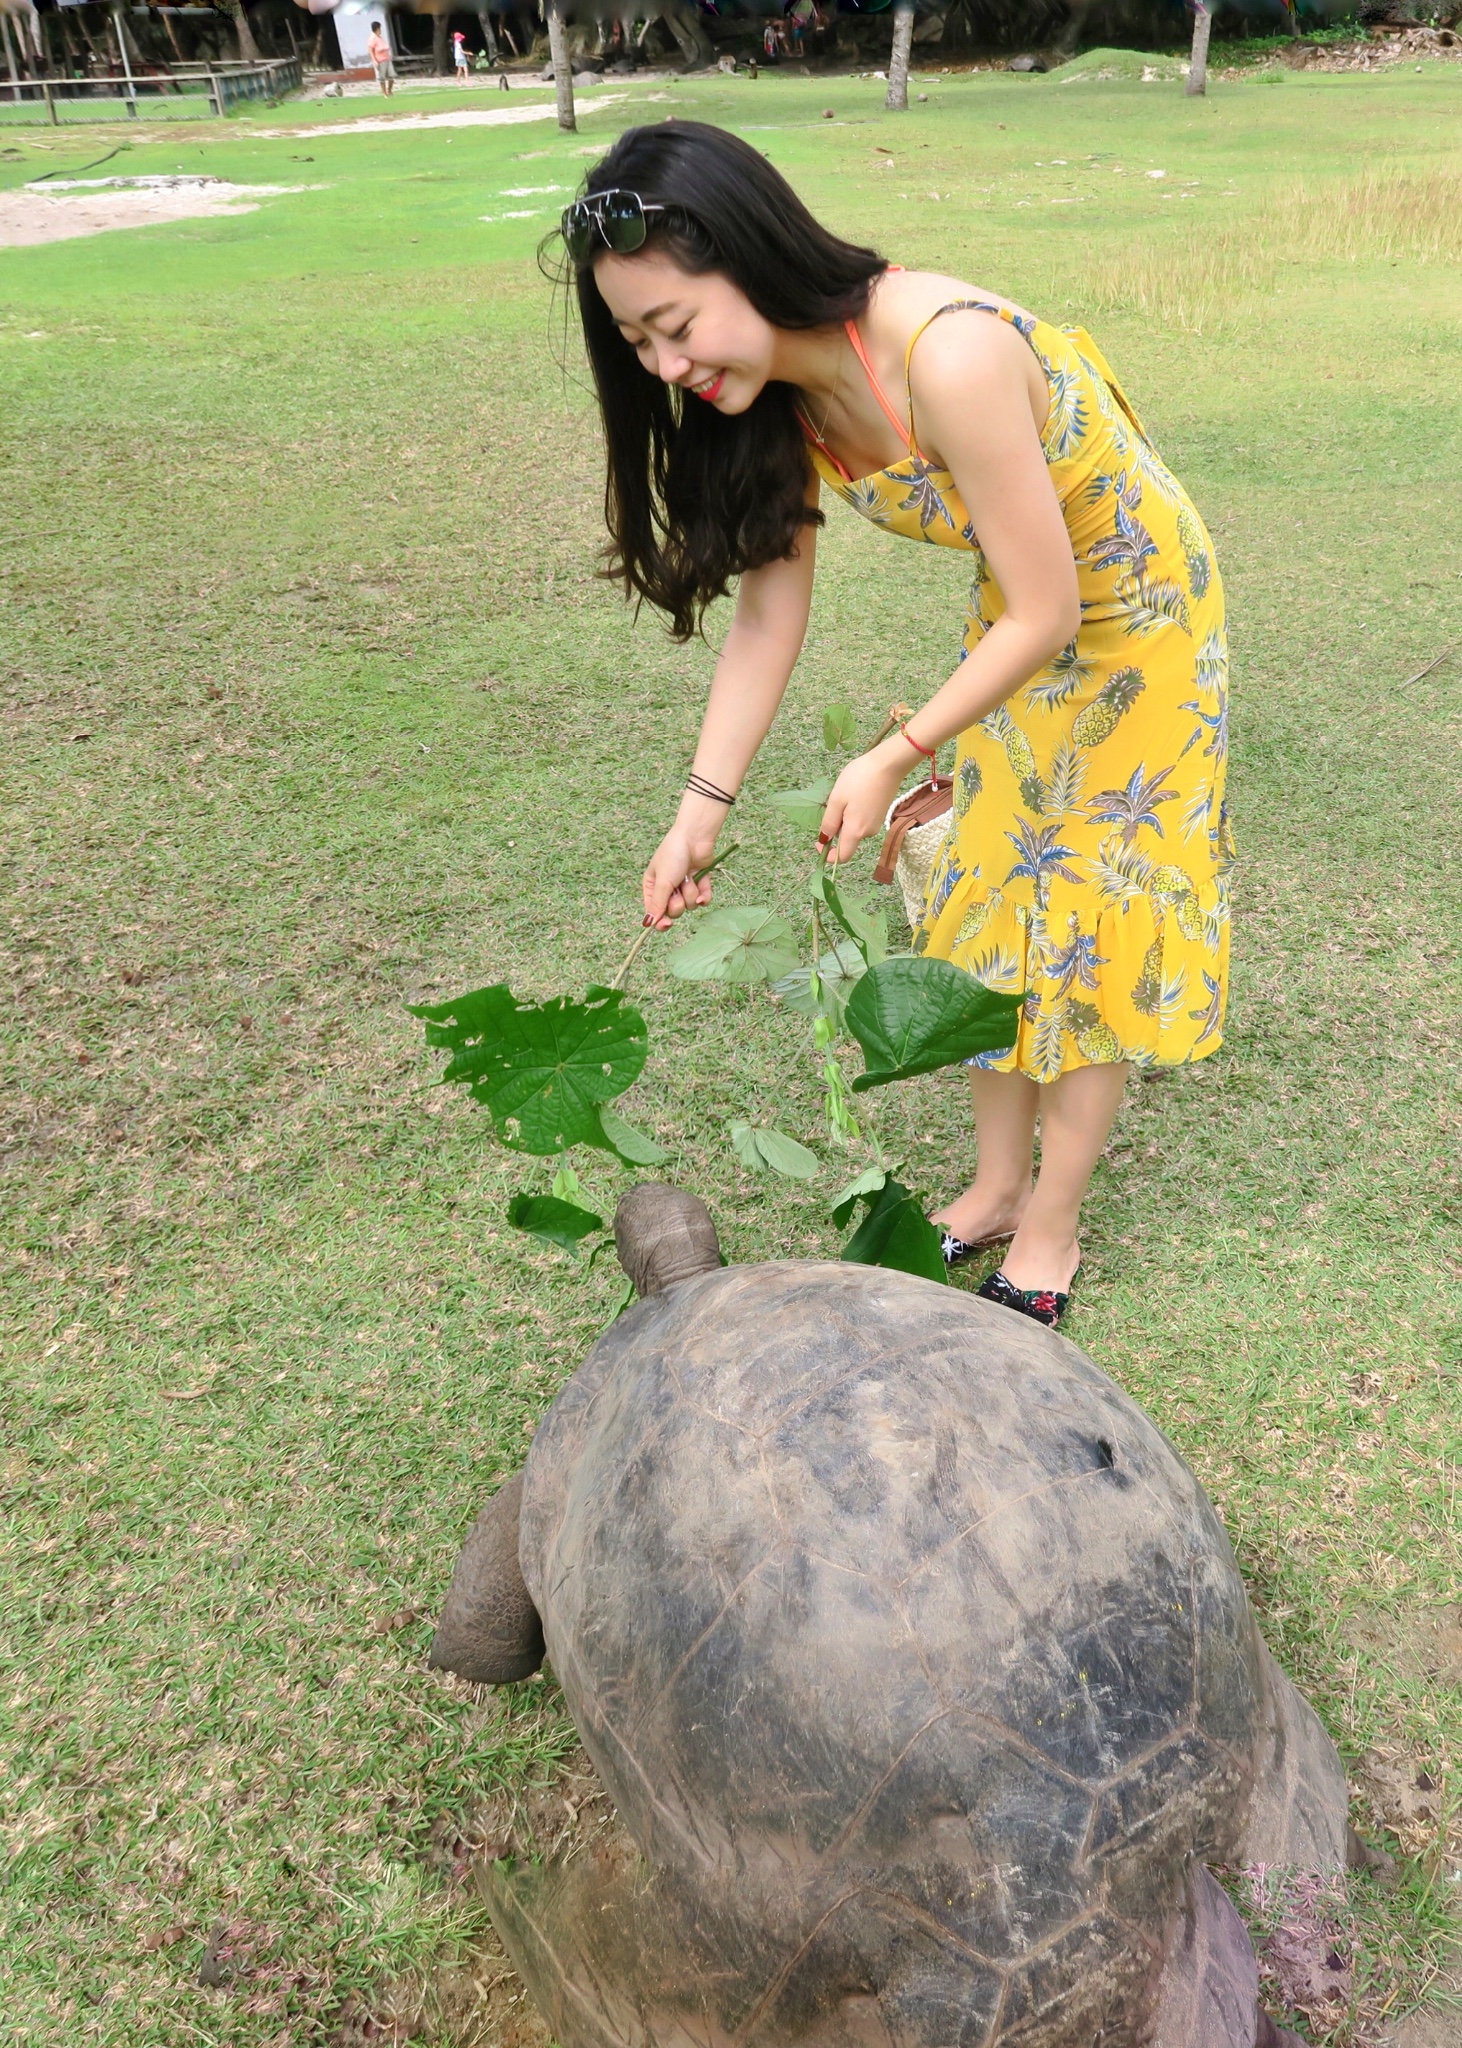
point(694, 498)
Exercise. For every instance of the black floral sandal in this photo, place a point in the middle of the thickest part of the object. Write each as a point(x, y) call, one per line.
point(958, 1251)
point(1041, 1304)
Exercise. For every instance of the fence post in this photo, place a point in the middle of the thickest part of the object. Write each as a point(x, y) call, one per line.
point(215, 93)
point(120, 27)
point(10, 59)
point(50, 103)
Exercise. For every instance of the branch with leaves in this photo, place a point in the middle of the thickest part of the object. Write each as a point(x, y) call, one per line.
point(548, 1073)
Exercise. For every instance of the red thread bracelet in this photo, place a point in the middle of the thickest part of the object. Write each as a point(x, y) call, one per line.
point(931, 754)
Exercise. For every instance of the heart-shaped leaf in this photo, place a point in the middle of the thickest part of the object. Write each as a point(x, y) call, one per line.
point(630, 1145)
point(897, 1233)
point(540, 1069)
point(868, 1182)
point(552, 1221)
point(911, 1016)
point(768, 1151)
point(734, 944)
point(839, 726)
point(805, 806)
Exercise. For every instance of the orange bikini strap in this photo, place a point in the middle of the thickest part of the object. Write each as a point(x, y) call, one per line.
point(902, 426)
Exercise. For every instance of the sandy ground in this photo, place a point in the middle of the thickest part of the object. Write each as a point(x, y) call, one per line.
point(39, 215)
point(467, 117)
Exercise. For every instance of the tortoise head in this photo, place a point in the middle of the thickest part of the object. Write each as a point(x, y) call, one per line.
point(664, 1236)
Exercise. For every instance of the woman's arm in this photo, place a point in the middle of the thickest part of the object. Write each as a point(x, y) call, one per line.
point(751, 676)
point(973, 403)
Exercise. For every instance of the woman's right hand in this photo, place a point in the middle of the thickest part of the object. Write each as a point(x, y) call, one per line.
point(670, 887)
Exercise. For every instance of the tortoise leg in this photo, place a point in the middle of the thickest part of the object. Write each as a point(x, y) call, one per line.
point(1298, 1817)
point(489, 1629)
point(1208, 1993)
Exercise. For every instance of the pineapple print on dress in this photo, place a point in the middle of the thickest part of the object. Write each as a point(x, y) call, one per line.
point(1089, 818)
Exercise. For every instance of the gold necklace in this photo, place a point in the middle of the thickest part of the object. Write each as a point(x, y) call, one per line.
point(832, 397)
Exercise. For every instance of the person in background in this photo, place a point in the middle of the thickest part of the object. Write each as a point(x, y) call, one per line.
point(380, 51)
point(460, 59)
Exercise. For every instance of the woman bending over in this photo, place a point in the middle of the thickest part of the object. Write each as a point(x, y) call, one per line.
point(745, 359)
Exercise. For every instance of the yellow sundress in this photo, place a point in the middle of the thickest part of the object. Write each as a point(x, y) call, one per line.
point(1086, 857)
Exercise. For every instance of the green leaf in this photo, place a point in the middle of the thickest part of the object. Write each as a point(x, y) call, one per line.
point(768, 1151)
point(630, 1145)
point(552, 1221)
point(566, 1183)
point(869, 1181)
point(622, 1301)
point(866, 929)
point(838, 971)
point(911, 1016)
point(839, 726)
point(735, 944)
point(539, 1069)
point(804, 807)
point(897, 1233)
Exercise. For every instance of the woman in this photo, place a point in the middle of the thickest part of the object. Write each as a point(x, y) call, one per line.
point(745, 357)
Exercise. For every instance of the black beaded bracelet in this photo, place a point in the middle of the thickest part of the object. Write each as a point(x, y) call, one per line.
point(698, 786)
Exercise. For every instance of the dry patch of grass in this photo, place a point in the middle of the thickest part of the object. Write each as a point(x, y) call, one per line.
point(1386, 215)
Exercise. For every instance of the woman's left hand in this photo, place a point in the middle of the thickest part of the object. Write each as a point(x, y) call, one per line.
point(861, 797)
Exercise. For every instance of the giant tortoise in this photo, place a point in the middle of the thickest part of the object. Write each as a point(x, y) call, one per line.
point(915, 1662)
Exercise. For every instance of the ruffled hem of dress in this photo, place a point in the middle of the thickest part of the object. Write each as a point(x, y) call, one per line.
point(1132, 984)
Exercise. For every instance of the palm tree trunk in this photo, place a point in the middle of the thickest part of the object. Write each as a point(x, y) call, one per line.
point(1198, 63)
point(563, 75)
point(439, 27)
point(896, 99)
point(248, 48)
point(485, 20)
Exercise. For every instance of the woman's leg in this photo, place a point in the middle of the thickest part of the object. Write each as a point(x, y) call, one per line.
point(1076, 1115)
point(1005, 1130)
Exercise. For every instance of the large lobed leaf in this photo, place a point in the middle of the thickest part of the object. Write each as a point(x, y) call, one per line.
point(911, 1016)
point(736, 944)
point(896, 1232)
point(540, 1069)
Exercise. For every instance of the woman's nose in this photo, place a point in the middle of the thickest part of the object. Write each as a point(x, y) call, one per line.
point(672, 365)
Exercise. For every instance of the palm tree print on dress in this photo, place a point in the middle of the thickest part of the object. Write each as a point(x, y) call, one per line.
point(1041, 858)
point(1084, 866)
point(1064, 676)
point(925, 497)
point(1132, 808)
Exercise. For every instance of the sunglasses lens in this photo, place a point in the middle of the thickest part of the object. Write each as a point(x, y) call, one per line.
point(623, 222)
point(577, 229)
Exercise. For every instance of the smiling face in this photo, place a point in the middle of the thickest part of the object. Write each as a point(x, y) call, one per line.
point(696, 331)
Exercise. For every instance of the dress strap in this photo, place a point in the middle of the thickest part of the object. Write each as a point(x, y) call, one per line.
point(902, 426)
point(954, 306)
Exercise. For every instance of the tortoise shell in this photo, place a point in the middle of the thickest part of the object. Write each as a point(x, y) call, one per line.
point(910, 1651)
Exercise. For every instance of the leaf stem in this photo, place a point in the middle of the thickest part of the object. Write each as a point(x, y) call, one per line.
point(643, 939)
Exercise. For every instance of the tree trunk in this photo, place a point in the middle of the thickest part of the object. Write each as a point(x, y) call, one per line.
point(439, 26)
point(563, 75)
point(1198, 64)
point(1069, 40)
point(896, 99)
point(485, 20)
point(248, 48)
point(169, 22)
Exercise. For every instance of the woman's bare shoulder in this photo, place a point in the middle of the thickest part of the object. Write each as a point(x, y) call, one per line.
point(905, 299)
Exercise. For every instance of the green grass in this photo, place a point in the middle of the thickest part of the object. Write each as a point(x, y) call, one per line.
point(312, 707)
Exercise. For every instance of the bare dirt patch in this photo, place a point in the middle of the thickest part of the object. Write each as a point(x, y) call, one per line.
point(37, 215)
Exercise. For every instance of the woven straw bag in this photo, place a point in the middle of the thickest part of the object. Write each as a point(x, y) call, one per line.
point(915, 830)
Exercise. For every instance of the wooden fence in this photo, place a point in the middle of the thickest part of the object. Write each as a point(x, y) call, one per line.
point(182, 92)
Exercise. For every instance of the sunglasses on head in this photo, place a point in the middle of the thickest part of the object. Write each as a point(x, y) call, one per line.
point(616, 217)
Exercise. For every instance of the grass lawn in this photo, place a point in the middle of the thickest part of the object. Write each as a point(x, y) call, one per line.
point(313, 707)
